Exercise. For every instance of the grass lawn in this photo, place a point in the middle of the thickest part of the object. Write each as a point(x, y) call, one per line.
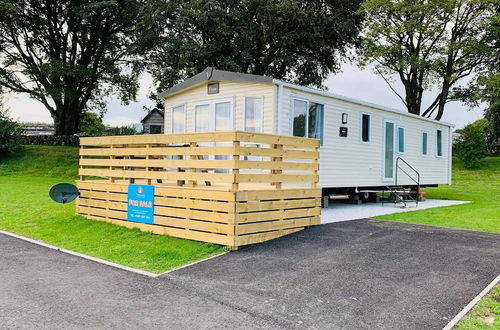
point(481, 187)
point(26, 209)
point(485, 315)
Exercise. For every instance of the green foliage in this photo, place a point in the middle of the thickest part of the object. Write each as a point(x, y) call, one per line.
point(68, 54)
point(52, 140)
point(470, 146)
point(299, 41)
point(91, 125)
point(121, 130)
point(10, 133)
point(478, 186)
point(427, 44)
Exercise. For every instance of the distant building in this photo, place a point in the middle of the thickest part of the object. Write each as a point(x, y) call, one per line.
point(153, 123)
point(37, 129)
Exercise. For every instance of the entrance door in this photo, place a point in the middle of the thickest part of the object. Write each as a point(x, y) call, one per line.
point(388, 150)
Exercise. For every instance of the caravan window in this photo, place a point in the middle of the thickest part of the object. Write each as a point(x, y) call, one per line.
point(439, 143)
point(424, 143)
point(253, 114)
point(308, 119)
point(365, 127)
point(299, 117)
point(178, 119)
point(401, 140)
point(315, 121)
point(202, 118)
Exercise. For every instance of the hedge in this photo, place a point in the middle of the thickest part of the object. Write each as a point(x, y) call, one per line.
point(52, 140)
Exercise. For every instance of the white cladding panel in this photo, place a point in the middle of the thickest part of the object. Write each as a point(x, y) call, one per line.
point(237, 91)
point(348, 162)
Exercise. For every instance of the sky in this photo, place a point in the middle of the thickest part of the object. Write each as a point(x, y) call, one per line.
point(352, 82)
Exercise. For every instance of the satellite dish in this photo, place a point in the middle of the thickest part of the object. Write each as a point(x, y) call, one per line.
point(63, 192)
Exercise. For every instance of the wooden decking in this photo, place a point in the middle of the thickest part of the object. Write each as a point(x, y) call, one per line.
point(230, 188)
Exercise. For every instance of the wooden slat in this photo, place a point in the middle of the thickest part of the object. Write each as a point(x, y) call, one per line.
point(211, 227)
point(195, 204)
point(196, 214)
point(276, 177)
point(117, 173)
point(273, 225)
point(268, 152)
point(262, 237)
point(275, 205)
point(242, 218)
point(255, 195)
point(161, 163)
point(180, 233)
point(157, 151)
point(272, 165)
point(159, 138)
point(104, 186)
point(103, 195)
point(276, 139)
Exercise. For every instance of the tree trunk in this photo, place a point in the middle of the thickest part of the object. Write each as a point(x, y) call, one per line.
point(66, 119)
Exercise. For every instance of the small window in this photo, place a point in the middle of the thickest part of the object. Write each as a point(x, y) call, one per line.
point(178, 119)
point(439, 143)
point(253, 114)
point(155, 129)
point(424, 143)
point(365, 127)
point(299, 117)
point(401, 140)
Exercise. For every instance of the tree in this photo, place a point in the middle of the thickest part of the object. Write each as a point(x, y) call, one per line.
point(10, 132)
point(485, 88)
point(425, 43)
point(68, 54)
point(470, 146)
point(91, 125)
point(299, 41)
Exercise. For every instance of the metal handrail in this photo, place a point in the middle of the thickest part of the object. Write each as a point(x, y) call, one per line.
point(414, 170)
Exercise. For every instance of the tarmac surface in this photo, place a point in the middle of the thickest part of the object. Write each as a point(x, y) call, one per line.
point(362, 274)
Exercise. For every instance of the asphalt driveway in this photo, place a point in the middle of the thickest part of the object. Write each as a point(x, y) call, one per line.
point(362, 274)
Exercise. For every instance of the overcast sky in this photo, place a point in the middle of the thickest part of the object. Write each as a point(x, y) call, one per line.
point(352, 82)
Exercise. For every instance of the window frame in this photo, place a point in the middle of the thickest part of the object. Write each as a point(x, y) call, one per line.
point(437, 144)
point(394, 144)
point(172, 118)
point(211, 112)
point(404, 140)
point(308, 104)
point(422, 143)
point(370, 115)
point(261, 98)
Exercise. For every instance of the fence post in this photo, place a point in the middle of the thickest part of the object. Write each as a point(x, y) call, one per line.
point(111, 157)
point(277, 161)
point(236, 169)
point(314, 184)
point(82, 177)
point(192, 157)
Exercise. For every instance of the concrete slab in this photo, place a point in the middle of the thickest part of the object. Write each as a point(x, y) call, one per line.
point(337, 211)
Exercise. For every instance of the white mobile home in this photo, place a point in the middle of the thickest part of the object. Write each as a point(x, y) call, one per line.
point(360, 142)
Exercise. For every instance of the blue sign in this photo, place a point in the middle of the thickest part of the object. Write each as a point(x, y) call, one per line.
point(140, 202)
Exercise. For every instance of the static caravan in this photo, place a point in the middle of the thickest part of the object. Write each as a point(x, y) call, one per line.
point(364, 146)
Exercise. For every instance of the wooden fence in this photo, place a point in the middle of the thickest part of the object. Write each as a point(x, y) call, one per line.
point(231, 188)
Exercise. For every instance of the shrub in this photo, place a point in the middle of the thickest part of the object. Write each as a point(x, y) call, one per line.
point(470, 146)
point(10, 135)
point(52, 140)
point(122, 130)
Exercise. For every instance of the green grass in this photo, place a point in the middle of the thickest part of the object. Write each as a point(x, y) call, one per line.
point(53, 161)
point(26, 209)
point(480, 186)
point(485, 314)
